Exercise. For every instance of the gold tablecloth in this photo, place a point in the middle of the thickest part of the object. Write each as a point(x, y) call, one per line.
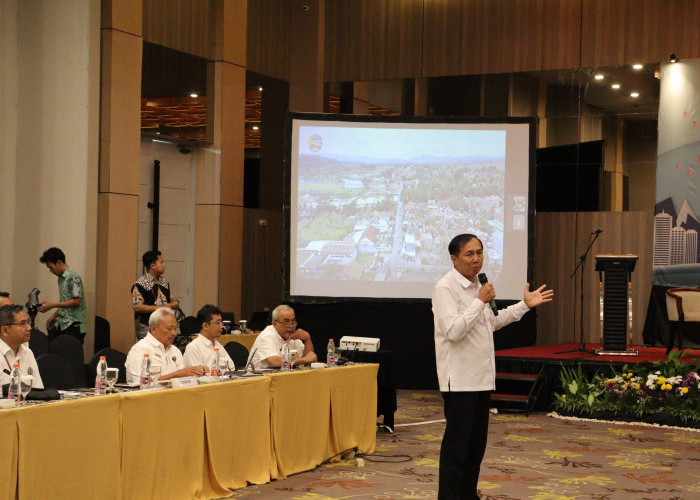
point(317, 414)
point(199, 442)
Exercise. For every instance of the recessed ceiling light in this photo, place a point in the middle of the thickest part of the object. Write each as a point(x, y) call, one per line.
point(615, 85)
point(255, 127)
point(260, 89)
point(634, 94)
point(599, 76)
point(193, 94)
point(637, 66)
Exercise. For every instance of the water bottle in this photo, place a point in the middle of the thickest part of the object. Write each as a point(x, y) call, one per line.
point(101, 377)
point(15, 390)
point(286, 363)
point(215, 363)
point(330, 356)
point(145, 379)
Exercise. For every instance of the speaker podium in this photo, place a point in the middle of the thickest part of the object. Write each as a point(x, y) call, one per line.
point(615, 272)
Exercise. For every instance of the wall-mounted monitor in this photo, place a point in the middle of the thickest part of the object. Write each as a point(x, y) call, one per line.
point(372, 203)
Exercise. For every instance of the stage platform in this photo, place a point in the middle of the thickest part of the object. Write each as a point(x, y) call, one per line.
point(557, 353)
point(546, 360)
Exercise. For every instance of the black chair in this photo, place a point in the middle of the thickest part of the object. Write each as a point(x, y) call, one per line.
point(189, 326)
point(259, 320)
point(114, 358)
point(238, 353)
point(38, 342)
point(72, 350)
point(102, 333)
point(56, 371)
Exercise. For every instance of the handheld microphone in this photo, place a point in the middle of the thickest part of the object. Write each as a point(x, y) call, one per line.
point(597, 231)
point(483, 280)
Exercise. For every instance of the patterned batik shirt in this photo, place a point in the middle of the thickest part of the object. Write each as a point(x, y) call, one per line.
point(70, 286)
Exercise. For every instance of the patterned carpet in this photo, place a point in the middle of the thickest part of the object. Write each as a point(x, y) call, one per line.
point(535, 457)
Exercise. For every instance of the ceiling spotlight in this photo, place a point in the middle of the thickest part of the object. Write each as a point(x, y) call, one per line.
point(194, 94)
point(634, 94)
point(255, 127)
point(673, 58)
point(637, 66)
point(260, 89)
point(615, 86)
point(599, 76)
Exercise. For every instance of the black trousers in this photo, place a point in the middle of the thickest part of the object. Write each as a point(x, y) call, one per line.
point(463, 444)
point(72, 330)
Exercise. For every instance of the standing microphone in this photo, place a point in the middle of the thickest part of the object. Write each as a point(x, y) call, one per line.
point(483, 280)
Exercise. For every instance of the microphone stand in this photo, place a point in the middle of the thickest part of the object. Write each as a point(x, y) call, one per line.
point(582, 265)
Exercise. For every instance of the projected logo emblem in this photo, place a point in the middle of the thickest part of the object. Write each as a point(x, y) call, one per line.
point(315, 143)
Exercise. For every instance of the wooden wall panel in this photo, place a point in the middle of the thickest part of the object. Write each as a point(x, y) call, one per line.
point(555, 259)
point(623, 232)
point(178, 24)
point(267, 49)
point(262, 261)
point(373, 39)
point(617, 32)
point(465, 37)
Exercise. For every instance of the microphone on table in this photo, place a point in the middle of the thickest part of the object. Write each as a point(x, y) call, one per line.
point(597, 231)
point(483, 280)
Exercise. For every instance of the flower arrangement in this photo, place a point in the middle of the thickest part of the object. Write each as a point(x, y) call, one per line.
point(665, 392)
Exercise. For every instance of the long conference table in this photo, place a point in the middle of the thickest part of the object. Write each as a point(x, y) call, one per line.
point(195, 442)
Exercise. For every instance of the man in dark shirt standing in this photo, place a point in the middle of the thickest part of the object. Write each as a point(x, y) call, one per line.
point(150, 292)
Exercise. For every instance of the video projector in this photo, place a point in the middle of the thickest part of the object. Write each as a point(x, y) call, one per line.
point(359, 344)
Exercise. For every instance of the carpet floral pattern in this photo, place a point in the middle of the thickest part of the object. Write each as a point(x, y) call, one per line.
point(535, 457)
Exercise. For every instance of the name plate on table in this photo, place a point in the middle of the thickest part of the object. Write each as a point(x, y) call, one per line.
point(184, 382)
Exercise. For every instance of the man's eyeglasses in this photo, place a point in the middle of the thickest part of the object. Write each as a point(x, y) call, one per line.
point(22, 323)
point(287, 322)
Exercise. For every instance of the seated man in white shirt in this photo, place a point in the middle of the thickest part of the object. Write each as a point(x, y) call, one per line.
point(267, 349)
point(201, 350)
point(15, 330)
point(158, 344)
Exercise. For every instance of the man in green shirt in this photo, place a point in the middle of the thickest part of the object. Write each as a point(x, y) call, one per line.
point(70, 317)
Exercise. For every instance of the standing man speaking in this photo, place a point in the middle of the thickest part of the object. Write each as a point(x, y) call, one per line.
point(466, 366)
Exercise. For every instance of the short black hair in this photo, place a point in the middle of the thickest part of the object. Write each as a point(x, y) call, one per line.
point(53, 255)
point(149, 258)
point(206, 312)
point(7, 314)
point(459, 241)
point(5, 294)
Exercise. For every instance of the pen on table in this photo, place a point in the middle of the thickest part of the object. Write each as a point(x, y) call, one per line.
point(6, 371)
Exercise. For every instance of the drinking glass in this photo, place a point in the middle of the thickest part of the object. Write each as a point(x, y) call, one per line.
point(223, 366)
point(112, 376)
point(25, 385)
point(293, 355)
point(154, 371)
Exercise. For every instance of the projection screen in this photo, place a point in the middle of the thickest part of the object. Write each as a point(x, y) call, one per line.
point(372, 203)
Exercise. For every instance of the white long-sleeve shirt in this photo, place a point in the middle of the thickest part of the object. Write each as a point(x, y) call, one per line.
point(169, 359)
point(269, 343)
point(27, 364)
point(464, 328)
point(201, 351)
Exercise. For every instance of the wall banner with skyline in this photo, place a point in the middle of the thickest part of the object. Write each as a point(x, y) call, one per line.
point(676, 225)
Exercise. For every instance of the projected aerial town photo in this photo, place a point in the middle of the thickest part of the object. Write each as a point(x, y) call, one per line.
point(380, 208)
